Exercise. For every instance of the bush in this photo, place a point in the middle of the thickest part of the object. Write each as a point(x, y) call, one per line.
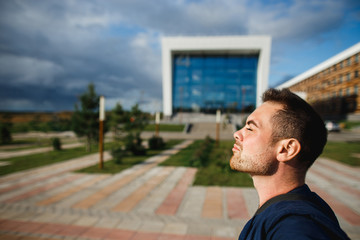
point(56, 143)
point(156, 143)
point(133, 145)
point(118, 154)
point(201, 156)
point(5, 134)
point(139, 150)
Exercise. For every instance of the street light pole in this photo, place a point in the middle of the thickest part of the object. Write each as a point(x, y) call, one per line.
point(101, 131)
point(157, 122)
point(218, 119)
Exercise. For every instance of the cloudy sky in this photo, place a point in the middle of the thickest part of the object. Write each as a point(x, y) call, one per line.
point(50, 50)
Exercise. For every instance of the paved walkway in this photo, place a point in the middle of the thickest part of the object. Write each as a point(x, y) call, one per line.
point(148, 202)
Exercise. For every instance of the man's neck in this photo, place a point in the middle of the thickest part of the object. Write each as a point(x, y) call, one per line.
point(268, 187)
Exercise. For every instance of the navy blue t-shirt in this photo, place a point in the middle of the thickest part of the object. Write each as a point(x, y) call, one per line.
point(306, 216)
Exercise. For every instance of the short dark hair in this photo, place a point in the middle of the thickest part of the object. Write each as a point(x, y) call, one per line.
point(297, 119)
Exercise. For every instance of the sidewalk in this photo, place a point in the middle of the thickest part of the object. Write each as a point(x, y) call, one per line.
point(148, 201)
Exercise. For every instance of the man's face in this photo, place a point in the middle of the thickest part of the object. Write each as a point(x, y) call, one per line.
point(253, 151)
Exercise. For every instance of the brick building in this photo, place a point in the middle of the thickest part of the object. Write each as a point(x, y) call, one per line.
point(332, 87)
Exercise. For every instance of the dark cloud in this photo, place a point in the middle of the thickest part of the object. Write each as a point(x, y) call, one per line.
point(39, 98)
point(51, 50)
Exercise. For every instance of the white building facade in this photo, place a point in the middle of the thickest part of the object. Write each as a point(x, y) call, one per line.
point(203, 74)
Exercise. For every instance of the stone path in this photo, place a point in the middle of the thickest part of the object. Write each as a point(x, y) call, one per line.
point(148, 201)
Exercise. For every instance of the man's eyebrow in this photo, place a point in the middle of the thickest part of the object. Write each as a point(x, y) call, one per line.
point(252, 122)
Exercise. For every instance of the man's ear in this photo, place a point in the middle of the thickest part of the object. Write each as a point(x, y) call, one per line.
point(287, 149)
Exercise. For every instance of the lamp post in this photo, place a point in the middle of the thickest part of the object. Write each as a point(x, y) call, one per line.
point(157, 122)
point(218, 119)
point(101, 131)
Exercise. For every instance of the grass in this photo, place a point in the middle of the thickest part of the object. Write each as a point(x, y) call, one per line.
point(166, 127)
point(32, 143)
point(110, 167)
point(41, 159)
point(22, 144)
point(343, 152)
point(182, 158)
point(217, 172)
point(350, 124)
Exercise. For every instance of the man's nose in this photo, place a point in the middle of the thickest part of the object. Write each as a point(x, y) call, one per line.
point(238, 135)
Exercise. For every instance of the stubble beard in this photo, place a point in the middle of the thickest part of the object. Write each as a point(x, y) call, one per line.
point(254, 165)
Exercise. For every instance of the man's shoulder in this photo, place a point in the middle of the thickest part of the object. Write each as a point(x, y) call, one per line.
point(292, 215)
point(295, 226)
point(297, 203)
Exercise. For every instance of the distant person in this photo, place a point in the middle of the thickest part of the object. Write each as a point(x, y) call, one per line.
point(280, 141)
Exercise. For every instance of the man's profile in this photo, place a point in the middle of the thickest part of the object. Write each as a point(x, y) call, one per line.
point(280, 141)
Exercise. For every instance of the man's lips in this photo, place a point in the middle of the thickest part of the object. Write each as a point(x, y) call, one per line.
point(236, 148)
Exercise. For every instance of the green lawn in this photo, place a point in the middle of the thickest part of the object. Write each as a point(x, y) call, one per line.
point(343, 152)
point(111, 167)
point(182, 158)
point(217, 172)
point(31, 143)
point(166, 127)
point(22, 144)
point(42, 159)
point(350, 124)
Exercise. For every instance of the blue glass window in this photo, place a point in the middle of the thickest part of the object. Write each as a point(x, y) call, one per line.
point(210, 82)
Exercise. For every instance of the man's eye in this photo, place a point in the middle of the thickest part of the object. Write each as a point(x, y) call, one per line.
point(249, 129)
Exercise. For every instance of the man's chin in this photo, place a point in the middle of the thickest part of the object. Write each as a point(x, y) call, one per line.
point(233, 163)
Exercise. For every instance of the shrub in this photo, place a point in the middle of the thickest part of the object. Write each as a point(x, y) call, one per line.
point(56, 143)
point(5, 134)
point(156, 143)
point(133, 144)
point(118, 153)
point(201, 155)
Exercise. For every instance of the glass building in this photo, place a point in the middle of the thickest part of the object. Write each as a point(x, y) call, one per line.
point(205, 83)
point(203, 74)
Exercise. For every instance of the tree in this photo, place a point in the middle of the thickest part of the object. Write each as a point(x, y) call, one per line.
point(56, 142)
point(131, 123)
point(5, 129)
point(85, 121)
point(5, 134)
point(117, 120)
point(136, 121)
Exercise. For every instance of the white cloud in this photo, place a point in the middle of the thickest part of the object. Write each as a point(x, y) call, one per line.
point(298, 21)
point(127, 100)
point(146, 50)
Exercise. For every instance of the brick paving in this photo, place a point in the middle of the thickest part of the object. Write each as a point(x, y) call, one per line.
point(148, 202)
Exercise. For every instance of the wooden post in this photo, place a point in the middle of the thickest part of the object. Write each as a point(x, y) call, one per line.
point(218, 119)
point(101, 131)
point(157, 122)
